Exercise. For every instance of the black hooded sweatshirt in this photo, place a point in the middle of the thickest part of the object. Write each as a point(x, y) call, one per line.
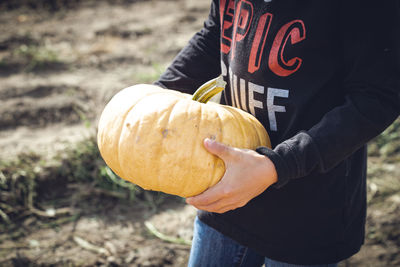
point(323, 79)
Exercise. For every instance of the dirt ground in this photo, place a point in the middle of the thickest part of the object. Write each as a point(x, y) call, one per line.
point(59, 64)
point(59, 68)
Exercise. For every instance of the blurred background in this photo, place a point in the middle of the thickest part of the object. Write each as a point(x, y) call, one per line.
point(60, 62)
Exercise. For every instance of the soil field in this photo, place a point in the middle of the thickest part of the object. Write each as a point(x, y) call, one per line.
point(59, 68)
point(60, 62)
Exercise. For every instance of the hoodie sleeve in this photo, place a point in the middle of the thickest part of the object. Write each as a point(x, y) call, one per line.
point(199, 60)
point(370, 48)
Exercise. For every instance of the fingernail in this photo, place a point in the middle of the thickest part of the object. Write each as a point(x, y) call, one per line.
point(208, 141)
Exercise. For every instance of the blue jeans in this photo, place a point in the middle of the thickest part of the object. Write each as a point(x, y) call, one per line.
point(210, 248)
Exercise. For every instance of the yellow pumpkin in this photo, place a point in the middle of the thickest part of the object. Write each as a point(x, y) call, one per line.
point(153, 137)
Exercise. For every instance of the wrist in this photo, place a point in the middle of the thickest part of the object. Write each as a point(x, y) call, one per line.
point(280, 167)
point(268, 171)
point(272, 173)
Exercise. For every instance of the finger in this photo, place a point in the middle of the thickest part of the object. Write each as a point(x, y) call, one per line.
point(218, 149)
point(218, 207)
point(211, 195)
point(226, 209)
point(223, 205)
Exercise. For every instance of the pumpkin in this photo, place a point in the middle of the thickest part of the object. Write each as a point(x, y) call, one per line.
point(153, 137)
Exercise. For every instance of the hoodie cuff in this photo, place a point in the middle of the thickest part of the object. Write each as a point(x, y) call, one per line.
point(294, 158)
point(281, 166)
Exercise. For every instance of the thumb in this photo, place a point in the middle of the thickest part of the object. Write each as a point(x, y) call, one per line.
point(218, 149)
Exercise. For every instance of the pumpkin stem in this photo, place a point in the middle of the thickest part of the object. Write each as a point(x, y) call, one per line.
point(205, 92)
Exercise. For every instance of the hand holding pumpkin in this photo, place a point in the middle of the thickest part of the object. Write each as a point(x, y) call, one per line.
point(142, 121)
point(247, 175)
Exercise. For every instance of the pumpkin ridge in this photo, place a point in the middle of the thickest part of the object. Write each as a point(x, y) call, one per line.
point(161, 147)
point(258, 134)
point(125, 115)
point(236, 114)
point(214, 178)
point(186, 184)
point(136, 132)
point(261, 133)
point(215, 158)
point(121, 142)
point(193, 150)
point(250, 123)
point(263, 138)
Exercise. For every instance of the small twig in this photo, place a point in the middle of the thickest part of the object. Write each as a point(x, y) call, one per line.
point(150, 202)
point(6, 207)
point(153, 230)
point(50, 213)
point(88, 246)
point(14, 246)
point(5, 217)
point(373, 191)
point(3, 178)
point(62, 220)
